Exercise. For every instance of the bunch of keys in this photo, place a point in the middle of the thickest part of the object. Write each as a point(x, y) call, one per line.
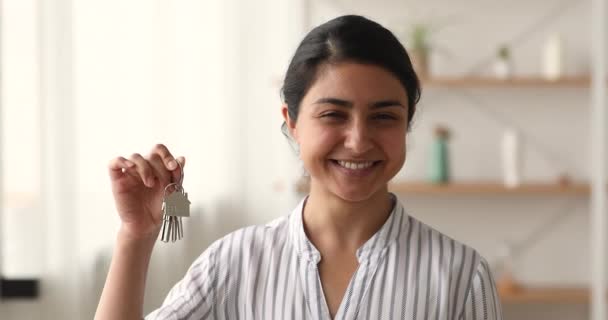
point(175, 206)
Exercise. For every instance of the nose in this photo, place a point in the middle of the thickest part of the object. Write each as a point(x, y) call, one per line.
point(358, 138)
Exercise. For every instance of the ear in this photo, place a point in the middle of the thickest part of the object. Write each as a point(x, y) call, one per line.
point(291, 125)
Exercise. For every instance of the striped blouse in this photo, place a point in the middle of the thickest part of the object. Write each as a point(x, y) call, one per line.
point(407, 270)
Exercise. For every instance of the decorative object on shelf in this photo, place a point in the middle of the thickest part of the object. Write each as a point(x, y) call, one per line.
point(439, 170)
point(564, 180)
point(511, 158)
point(503, 66)
point(506, 283)
point(553, 57)
point(420, 49)
point(418, 37)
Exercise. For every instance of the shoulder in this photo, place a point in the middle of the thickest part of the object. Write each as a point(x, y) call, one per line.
point(458, 268)
point(457, 256)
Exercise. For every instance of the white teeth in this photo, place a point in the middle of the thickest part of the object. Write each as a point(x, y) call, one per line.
point(355, 165)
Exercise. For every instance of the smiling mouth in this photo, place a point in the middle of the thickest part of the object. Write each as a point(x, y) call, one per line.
point(355, 165)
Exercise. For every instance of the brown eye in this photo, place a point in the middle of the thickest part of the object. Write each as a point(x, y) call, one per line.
point(385, 116)
point(333, 115)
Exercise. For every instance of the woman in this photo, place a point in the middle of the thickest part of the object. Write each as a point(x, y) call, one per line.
point(348, 250)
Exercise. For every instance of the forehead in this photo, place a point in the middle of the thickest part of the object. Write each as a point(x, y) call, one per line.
point(355, 82)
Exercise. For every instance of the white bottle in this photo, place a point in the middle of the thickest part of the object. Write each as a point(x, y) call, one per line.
point(502, 69)
point(511, 158)
point(553, 57)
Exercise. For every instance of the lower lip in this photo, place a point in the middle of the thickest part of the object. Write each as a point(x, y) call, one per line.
point(355, 172)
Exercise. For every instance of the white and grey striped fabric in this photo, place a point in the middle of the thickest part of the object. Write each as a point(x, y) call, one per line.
point(407, 270)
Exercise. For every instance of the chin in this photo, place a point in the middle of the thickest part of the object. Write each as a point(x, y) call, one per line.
point(355, 195)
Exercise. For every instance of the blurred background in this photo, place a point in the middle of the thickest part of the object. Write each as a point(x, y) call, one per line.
point(499, 156)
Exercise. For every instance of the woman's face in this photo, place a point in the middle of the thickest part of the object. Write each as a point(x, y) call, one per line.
point(351, 129)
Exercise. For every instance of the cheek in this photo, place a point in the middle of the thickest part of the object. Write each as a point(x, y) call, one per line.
point(394, 145)
point(319, 142)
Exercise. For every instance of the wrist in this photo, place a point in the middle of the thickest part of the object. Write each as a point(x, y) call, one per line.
point(125, 235)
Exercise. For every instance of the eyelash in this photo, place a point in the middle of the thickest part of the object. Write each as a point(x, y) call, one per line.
point(381, 116)
point(331, 115)
point(385, 116)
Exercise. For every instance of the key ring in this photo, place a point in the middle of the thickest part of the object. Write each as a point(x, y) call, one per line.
point(178, 187)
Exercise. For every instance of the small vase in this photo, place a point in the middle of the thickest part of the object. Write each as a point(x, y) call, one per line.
point(439, 171)
point(502, 69)
point(553, 58)
point(511, 158)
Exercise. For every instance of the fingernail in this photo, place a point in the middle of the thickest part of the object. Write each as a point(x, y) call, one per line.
point(172, 164)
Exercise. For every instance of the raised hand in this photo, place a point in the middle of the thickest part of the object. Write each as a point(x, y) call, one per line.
point(138, 184)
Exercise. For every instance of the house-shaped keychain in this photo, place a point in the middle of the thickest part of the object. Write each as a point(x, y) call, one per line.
point(177, 205)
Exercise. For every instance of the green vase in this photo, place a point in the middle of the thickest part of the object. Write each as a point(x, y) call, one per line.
point(439, 166)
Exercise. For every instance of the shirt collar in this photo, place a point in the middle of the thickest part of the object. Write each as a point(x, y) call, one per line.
point(376, 245)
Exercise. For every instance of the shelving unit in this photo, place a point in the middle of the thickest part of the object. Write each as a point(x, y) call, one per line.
point(528, 295)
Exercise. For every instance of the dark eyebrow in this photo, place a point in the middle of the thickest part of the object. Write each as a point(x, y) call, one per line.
point(348, 104)
point(387, 103)
point(335, 101)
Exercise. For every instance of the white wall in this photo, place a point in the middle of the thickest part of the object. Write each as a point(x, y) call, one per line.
point(145, 72)
point(20, 132)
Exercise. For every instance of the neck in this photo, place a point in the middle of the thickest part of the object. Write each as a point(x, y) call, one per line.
point(337, 225)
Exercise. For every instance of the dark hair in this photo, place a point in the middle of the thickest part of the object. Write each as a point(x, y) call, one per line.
point(347, 38)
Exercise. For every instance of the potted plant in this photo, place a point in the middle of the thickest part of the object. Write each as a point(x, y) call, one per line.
point(420, 48)
point(502, 65)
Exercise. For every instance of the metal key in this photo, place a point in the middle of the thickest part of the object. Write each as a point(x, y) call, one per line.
point(175, 206)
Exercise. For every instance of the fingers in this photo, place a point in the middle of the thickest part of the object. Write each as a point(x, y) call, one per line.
point(181, 161)
point(165, 155)
point(177, 174)
point(158, 165)
point(118, 166)
point(160, 170)
point(170, 161)
point(143, 169)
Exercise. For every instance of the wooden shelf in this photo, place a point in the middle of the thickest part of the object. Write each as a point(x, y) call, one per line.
point(488, 188)
point(546, 295)
point(523, 82)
